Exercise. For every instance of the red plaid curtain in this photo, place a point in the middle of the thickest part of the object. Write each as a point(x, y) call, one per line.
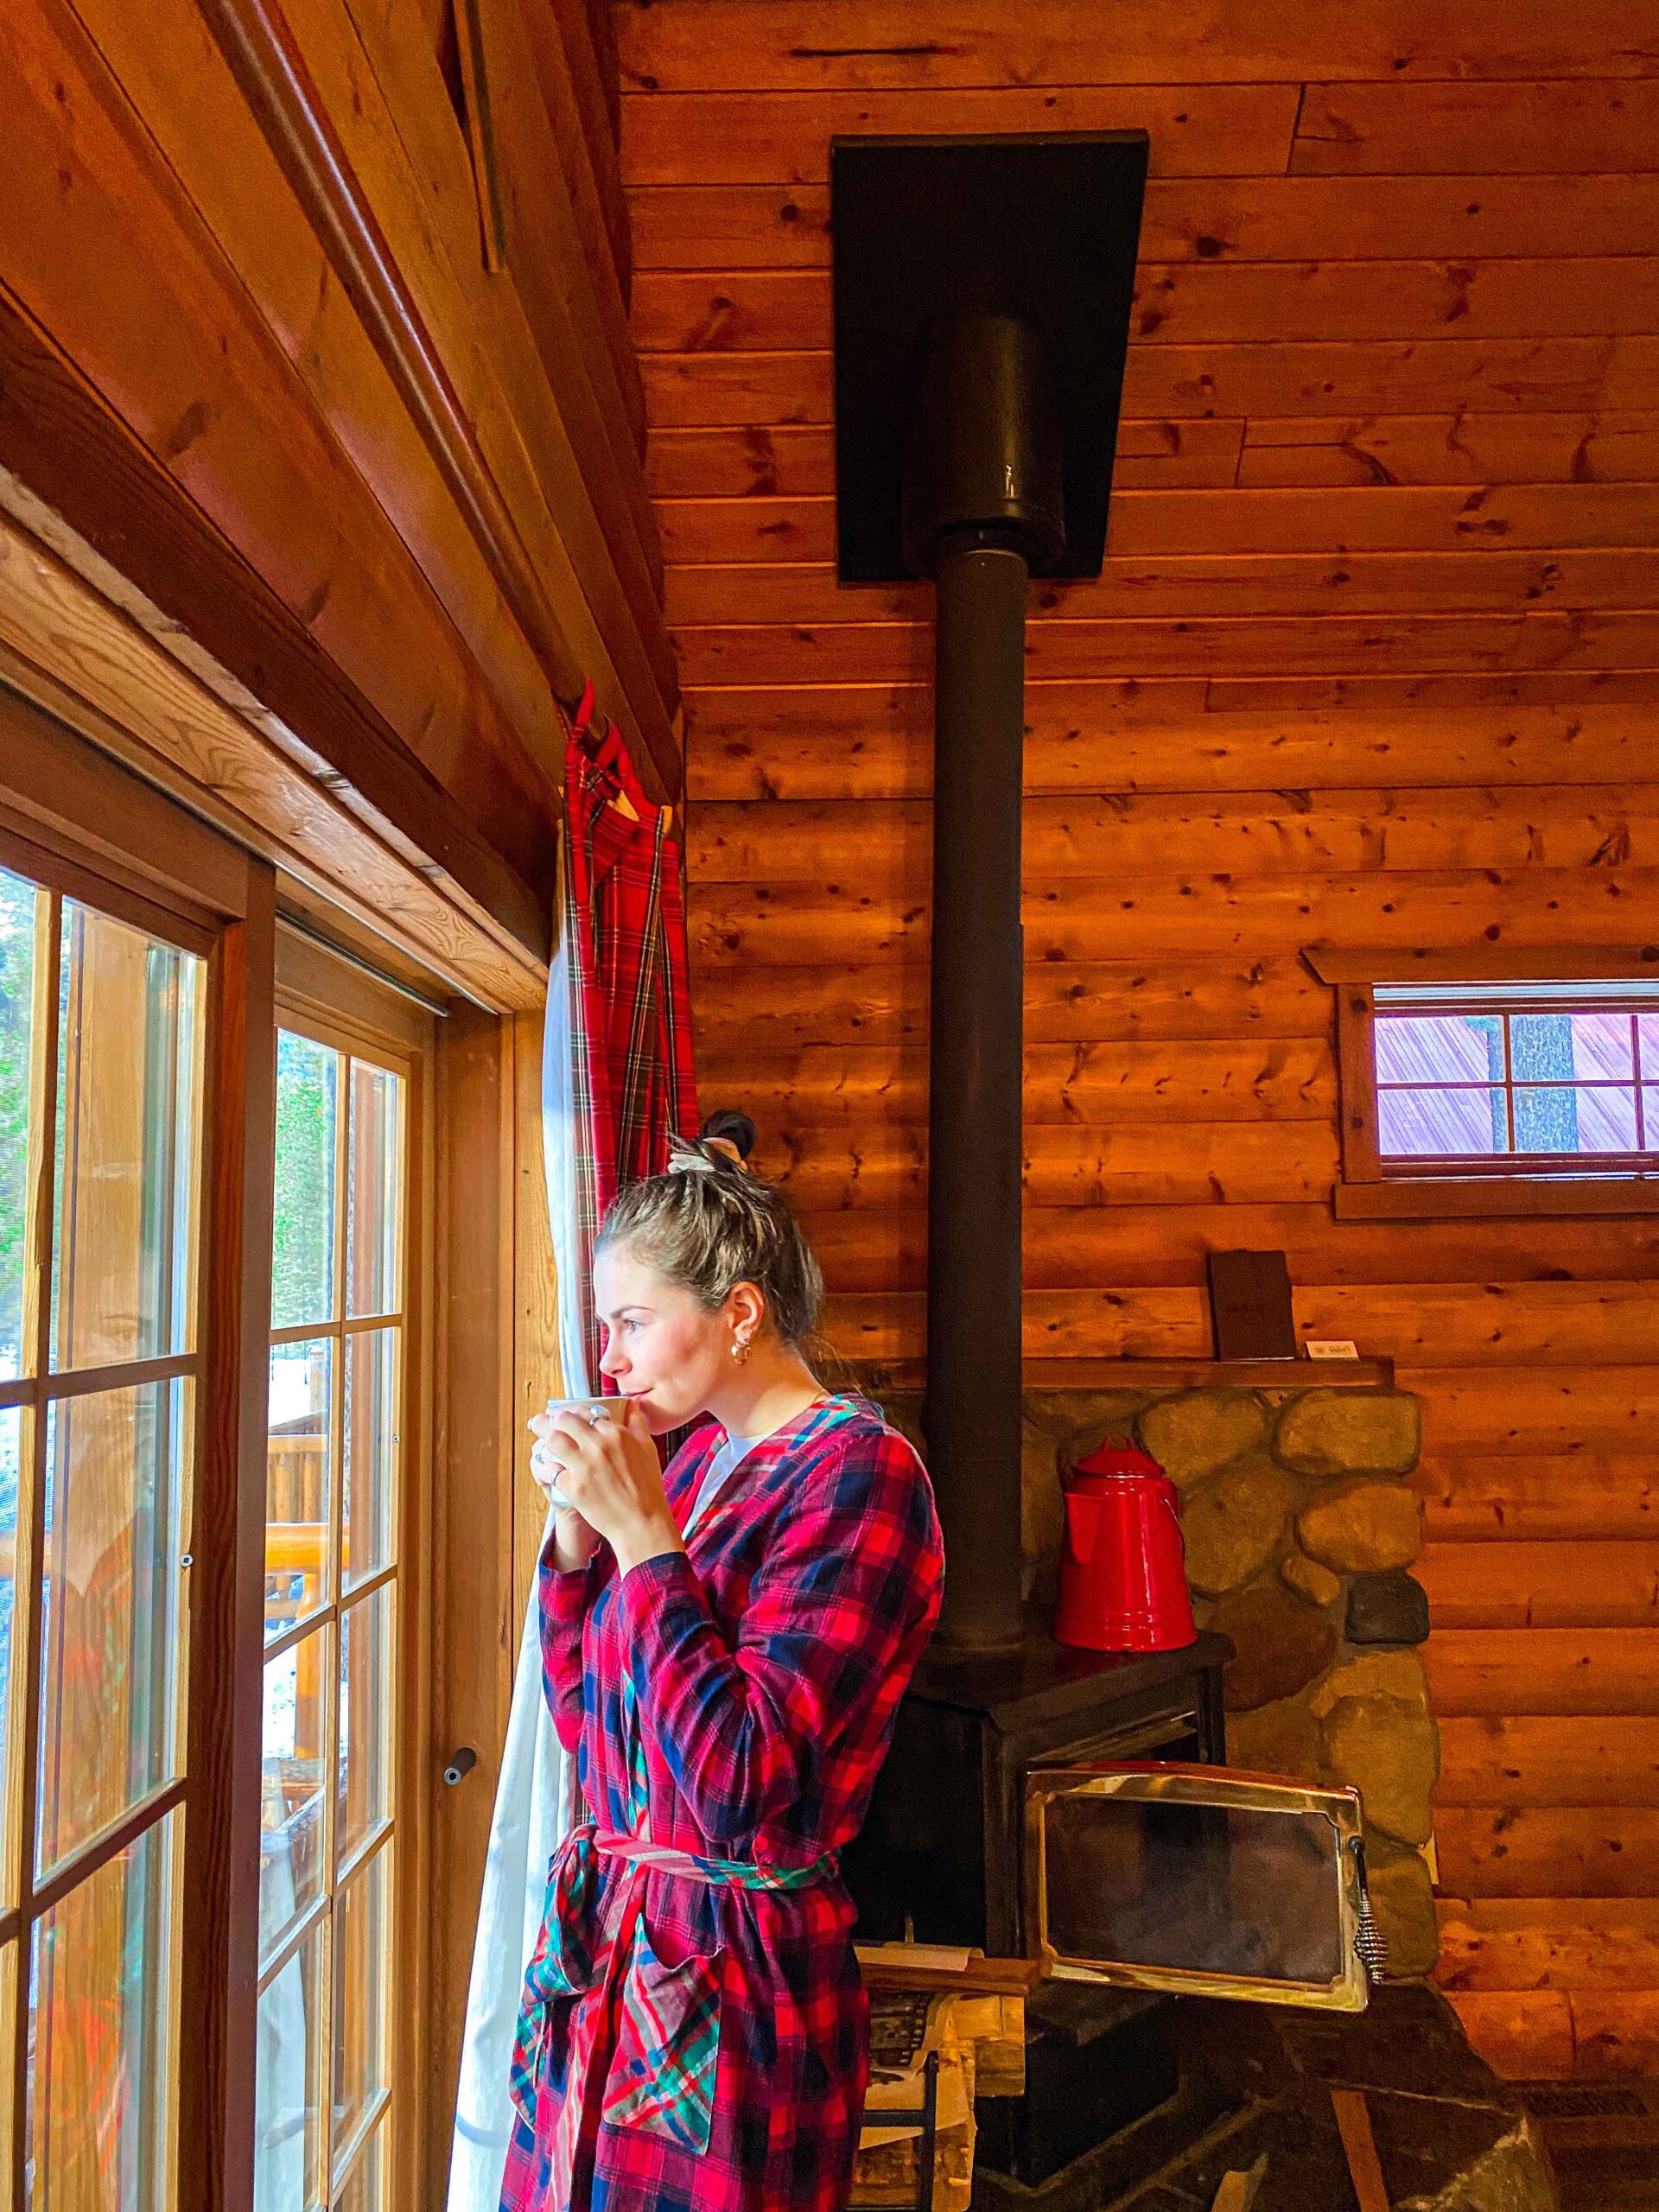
point(632, 1078)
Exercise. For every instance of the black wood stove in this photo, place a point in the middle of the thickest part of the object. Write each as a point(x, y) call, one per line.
point(941, 1859)
point(982, 290)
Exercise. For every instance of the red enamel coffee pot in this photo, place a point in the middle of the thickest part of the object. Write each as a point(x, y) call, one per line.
point(1123, 1568)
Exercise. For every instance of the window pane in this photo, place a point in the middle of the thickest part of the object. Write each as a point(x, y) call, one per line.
point(364, 2190)
point(18, 902)
point(291, 1872)
point(371, 1451)
point(1439, 1048)
point(128, 1052)
point(1650, 1121)
point(365, 1735)
point(298, 1482)
point(101, 2000)
point(376, 1195)
point(1602, 1045)
point(1420, 1124)
point(303, 1264)
point(363, 1926)
point(118, 1463)
point(287, 2082)
point(1560, 1118)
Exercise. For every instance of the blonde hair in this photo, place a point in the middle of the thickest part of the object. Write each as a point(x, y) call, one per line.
point(709, 1224)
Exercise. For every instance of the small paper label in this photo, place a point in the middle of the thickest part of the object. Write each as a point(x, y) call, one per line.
point(1332, 1348)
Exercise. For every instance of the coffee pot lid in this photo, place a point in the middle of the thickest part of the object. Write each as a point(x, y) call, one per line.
point(1118, 1455)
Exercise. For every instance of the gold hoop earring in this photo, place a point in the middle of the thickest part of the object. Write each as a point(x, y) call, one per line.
point(740, 1349)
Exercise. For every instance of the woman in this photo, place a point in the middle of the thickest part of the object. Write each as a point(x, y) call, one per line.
point(724, 1647)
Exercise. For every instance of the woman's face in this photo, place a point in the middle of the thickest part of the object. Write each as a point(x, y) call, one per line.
point(664, 1348)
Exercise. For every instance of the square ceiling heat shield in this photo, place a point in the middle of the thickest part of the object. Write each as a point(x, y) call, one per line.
point(1043, 228)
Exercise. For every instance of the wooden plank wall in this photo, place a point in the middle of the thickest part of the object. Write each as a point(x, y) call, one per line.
point(343, 292)
point(1375, 660)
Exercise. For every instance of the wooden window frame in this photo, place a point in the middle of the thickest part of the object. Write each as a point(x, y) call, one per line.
point(329, 998)
point(87, 828)
point(1366, 1191)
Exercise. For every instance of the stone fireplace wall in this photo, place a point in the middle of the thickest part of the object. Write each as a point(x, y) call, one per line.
point(1300, 1528)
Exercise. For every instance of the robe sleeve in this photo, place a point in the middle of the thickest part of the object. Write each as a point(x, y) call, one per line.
point(853, 1568)
point(563, 1596)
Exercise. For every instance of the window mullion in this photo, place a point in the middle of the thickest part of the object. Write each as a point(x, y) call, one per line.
point(328, 1981)
point(24, 1729)
point(1636, 1078)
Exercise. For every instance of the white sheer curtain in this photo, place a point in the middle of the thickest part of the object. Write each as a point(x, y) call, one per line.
point(536, 1794)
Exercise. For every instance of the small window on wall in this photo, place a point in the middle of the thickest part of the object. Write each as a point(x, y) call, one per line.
point(1469, 1090)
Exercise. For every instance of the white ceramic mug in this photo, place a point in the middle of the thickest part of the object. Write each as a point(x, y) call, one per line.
point(588, 1410)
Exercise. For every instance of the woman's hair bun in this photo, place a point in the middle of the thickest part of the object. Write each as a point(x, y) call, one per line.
point(709, 1223)
point(732, 1126)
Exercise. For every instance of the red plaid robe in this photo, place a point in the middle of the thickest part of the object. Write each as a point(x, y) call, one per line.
point(759, 1676)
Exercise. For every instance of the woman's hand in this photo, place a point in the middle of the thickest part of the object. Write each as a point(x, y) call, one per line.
point(610, 1473)
point(574, 1541)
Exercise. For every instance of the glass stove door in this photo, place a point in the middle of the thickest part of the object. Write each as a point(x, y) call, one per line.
point(1198, 1880)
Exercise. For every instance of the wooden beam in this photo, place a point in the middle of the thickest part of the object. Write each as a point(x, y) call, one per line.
point(1140, 1247)
point(784, 137)
point(1207, 302)
point(1404, 518)
point(106, 669)
point(1132, 835)
point(1272, 1079)
point(582, 331)
point(1568, 1850)
point(1593, 1410)
point(1427, 376)
point(1187, 734)
point(562, 60)
point(1487, 1498)
point(1187, 914)
point(884, 1165)
point(1589, 126)
point(60, 438)
point(173, 70)
point(565, 468)
point(1533, 1330)
point(1565, 1671)
point(667, 46)
point(1606, 1583)
point(1318, 643)
point(1549, 1759)
point(279, 87)
point(1241, 218)
point(716, 607)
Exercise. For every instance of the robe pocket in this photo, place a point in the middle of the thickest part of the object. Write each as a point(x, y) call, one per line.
point(662, 2076)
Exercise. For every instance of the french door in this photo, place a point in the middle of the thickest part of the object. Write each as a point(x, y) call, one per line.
point(342, 1449)
point(103, 1008)
point(214, 1561)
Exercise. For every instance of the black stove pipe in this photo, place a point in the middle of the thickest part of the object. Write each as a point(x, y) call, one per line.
point(983, 505)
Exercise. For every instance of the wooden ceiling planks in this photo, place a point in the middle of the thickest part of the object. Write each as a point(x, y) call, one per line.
point(405, 495)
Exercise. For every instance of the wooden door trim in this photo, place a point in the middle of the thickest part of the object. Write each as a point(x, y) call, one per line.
point(218, 2035)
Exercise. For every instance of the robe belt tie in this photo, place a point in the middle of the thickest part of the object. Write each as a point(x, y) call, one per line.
point(659, 2023)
